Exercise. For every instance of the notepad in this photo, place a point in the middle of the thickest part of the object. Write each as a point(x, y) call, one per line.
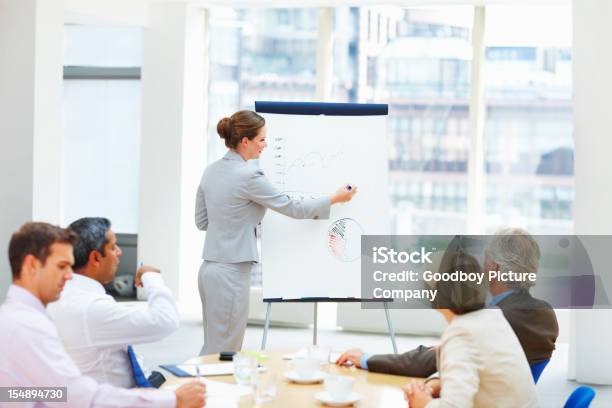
point(206, 370)
point(303, 353)
point(218, 394)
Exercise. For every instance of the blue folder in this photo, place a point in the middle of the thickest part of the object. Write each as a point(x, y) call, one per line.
point(175, 370)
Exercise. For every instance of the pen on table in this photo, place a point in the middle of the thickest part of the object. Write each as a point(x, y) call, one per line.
point(198, 373)
point(140, 285)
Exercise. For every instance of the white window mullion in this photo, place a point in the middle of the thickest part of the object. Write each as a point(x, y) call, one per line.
point(325, 54)
point(476, 176)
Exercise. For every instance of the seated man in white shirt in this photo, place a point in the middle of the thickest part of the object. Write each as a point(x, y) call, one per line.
point(94, 328)
point(32, 354)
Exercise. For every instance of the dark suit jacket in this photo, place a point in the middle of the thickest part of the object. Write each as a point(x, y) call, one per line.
point(533, 321)
point(535, 324)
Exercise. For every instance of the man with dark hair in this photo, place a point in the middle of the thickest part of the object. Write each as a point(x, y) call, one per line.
point(29, 251)
point(96, 330)
point(41, 263)
point(92, 236)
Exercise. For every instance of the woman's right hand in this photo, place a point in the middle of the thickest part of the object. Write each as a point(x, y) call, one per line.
point(417, 395)
point(344, 194)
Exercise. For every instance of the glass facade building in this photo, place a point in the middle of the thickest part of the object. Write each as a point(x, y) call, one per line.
point(418, 61)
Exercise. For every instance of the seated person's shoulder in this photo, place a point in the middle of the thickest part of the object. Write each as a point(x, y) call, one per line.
point(477, 324)
point(20, 325)
point(523, 301)
point(464, 326)
point(523, 310)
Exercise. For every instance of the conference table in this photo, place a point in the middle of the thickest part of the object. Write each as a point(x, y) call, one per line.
point(377, 390)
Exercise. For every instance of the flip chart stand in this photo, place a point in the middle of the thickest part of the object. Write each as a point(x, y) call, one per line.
point(315, 302)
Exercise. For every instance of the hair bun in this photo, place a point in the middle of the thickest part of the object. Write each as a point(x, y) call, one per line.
point(224, 128)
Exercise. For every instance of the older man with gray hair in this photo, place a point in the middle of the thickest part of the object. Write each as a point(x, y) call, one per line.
point(533, 320)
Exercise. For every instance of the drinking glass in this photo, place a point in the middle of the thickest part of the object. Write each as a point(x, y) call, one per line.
point(245, 369)
point(265, 387)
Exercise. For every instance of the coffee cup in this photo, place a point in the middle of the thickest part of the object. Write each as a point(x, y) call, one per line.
point(319, 353)
point(305, 367)
point(339, 387)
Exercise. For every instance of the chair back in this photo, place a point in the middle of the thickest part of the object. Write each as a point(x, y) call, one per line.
point(580, 398)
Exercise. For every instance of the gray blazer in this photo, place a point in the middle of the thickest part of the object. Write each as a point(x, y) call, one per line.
point(232, 199)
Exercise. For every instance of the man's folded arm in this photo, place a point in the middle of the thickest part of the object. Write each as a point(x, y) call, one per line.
point(420, 362)
point(117, 324)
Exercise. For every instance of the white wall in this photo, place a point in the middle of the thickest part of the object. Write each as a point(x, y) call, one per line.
point(173, 150)
point(31, 41)
point(135, 12)
point(591, 334)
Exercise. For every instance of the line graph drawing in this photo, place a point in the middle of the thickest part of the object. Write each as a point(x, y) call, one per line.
point(300, 173)
point(313, 160)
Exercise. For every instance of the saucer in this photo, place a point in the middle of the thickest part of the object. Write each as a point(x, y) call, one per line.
point(327, 399)
point(293, 376)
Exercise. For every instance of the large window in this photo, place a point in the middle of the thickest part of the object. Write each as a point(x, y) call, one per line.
point(529, 146)
point(419, 61)
point(102, 102)
point(265, 54)
point(423, 74)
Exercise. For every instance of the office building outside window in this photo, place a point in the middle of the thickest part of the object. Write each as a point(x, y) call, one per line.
point(267, 54)
point(418, 60)
point(529, 140)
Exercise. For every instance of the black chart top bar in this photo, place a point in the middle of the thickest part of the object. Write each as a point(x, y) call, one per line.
point(321, 108)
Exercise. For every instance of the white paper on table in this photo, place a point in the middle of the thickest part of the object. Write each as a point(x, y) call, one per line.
point(208, 369)
point(301, 353)
point(221, 389)
point(334, 356)
point(218, 389)
point(219, 401)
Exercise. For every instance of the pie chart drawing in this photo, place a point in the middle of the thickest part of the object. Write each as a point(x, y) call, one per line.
point(344, 239)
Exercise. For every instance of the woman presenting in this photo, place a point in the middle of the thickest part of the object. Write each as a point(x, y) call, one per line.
point(231, 200)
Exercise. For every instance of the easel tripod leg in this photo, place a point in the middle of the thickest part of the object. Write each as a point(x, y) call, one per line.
point(266, 326)
point(314, 333)
point(390, 326)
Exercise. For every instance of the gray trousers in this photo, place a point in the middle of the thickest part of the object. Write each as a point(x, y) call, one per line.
point(224, 291)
